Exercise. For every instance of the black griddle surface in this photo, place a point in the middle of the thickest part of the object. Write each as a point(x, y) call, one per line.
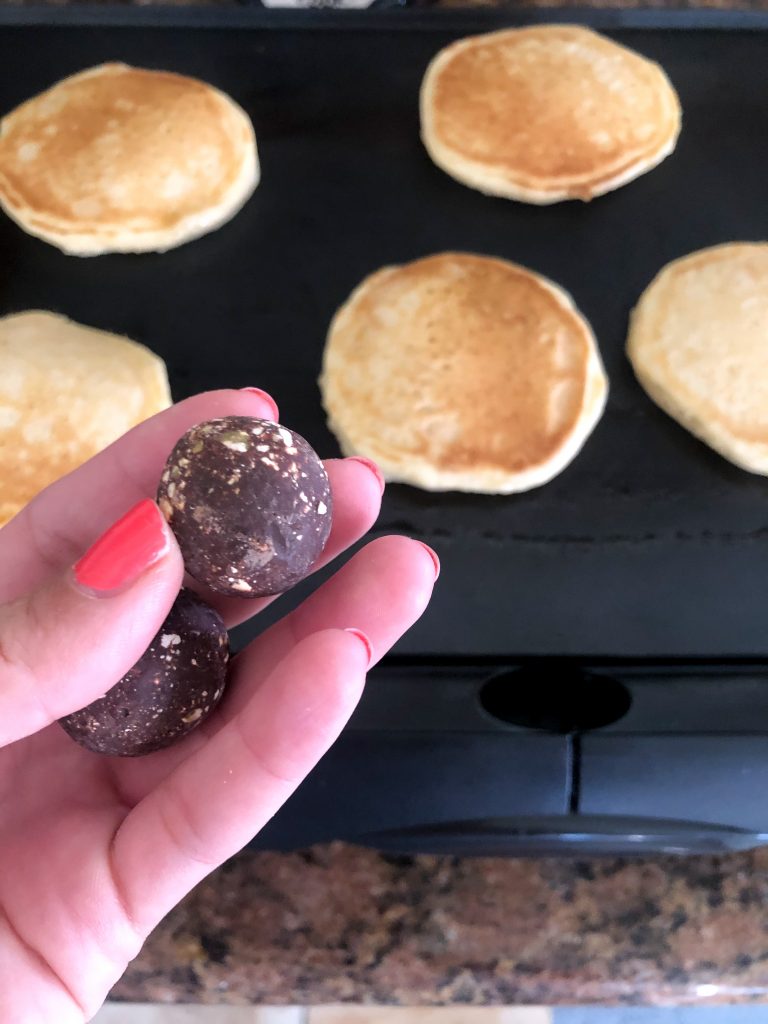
point(649, 543)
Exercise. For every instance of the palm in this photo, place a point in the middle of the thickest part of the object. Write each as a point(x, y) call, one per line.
point(59, 809)
point(94, 851)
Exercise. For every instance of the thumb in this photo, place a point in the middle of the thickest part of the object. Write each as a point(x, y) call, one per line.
point(67, 642)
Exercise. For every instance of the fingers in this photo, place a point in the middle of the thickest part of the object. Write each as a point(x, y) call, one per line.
point(356, 490)
point(68, 641)
point(382, 591)
point(51, 531)
point(286, 704)
point(215, 801)
point(66, 517)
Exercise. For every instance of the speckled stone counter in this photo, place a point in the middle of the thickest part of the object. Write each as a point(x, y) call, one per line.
point(344, 924)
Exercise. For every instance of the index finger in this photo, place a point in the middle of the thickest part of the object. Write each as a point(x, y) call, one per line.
point(61, 522)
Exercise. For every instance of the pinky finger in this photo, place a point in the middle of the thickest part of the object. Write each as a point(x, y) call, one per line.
point(215, 801)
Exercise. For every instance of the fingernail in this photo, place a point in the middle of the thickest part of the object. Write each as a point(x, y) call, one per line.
point(364, 640)
point(372, 467)
point(265, 398)
point(432, 555)
point(127, 549)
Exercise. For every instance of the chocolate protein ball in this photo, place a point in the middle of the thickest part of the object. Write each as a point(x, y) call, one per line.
point(171, 689)
point(250, 505)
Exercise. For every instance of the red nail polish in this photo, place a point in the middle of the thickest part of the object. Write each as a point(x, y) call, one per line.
point(432, 555)
point(364, 640)
point(372, 467)
point(266, 398)
point(127, 549)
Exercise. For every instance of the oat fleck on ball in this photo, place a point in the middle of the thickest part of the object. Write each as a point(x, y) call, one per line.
point(250, 505)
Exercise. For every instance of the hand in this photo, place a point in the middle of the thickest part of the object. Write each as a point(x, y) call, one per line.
point(94, 851)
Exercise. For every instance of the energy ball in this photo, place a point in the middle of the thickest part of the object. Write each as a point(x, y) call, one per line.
point(250, 505)
point(171, 689)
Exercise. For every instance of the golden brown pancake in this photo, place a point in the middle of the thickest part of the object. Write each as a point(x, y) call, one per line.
point(122, 159)
point(66, 392)
point(546, 113)
point(698, 342)
point(461, 372)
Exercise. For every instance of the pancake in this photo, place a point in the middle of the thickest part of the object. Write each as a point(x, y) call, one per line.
point(462, 372)
point(698, 343)
point(122, 159)
point(66, 392)
point(546, 113)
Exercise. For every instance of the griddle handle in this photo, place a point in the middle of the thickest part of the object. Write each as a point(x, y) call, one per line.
point(567, 835)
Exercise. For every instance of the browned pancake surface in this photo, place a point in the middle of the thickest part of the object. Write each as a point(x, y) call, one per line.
point(119, 150)
point(66, 392)
point(460, 368)
point(549, 109)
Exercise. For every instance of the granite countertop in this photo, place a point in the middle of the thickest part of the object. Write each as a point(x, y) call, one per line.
point(340, 923)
